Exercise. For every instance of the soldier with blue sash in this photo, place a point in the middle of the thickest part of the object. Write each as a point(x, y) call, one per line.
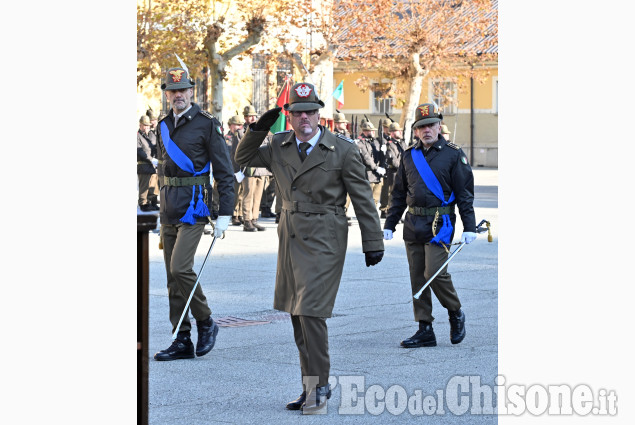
point(191, 145)
point(433, 178)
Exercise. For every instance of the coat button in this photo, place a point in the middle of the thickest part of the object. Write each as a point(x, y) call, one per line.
point(292, 235)
point(308, 191)
point(293, 188)
point(305, 237)
point(307, 214)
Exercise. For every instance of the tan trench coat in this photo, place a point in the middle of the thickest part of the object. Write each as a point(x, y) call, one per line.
point(313, 241)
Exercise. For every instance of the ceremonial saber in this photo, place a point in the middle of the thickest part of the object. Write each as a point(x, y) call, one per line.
point(479, 229)
point(456, 251)
point(187, 305)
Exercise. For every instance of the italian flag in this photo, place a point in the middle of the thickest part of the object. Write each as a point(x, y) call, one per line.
point(282, 123)
point(338, 94)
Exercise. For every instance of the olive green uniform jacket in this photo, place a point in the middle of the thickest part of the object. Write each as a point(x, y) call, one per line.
point(312, 246)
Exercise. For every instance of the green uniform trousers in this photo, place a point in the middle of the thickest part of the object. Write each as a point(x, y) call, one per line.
point(179, 246)
point(424, 260)
point(312, 339)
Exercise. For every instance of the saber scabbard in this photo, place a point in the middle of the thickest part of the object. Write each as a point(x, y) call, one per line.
point(198, 278)
point(456, 251)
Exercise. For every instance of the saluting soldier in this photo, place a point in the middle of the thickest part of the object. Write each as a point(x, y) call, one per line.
point(315, 169)
point(191, 143)
point(432, 179)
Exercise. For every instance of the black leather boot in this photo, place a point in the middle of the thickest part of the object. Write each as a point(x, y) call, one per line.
point(248, 226)
point(236, 221)
point(181, 348)
point(207, 331)
point(258, 226)
point(316, 400)
point(457, 326)
point(277, 218)
point(423, 338)
point(297, 403)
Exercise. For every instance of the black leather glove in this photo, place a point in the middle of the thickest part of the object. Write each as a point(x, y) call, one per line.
point(267, 119)
point(373, 257)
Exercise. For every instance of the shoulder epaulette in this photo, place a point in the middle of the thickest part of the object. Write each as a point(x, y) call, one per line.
point(409, 147)
point(341, 136)
point(207, 114)
point(454, 145)
point(281, 132)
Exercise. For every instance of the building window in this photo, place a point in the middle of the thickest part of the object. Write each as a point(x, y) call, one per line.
point(259, 88)
point(444, 94)
point(382, 98)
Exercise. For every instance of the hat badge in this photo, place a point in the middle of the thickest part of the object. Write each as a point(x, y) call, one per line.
point(303, 90)
point(176, 75)
point(425, 110)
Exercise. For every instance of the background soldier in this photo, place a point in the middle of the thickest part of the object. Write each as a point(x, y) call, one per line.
point(253, 184)
point(340, 121)
point(373, 158)
point(146, 167)
point(313, 232)
point(432, 162)
point(395, 147)
point(445, 132)
point(233, 136)
point(186, 170)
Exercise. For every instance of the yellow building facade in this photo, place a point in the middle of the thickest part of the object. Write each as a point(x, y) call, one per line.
point(470, 107)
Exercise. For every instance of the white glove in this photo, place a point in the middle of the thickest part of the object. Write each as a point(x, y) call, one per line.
point(468, 237)
point(222, 222)
point(155, 162)
point(387, 234)
point(381, 170)
point(383, 148)
point(239, 176)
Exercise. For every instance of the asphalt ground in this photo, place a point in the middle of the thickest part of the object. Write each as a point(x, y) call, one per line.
point(253, 370)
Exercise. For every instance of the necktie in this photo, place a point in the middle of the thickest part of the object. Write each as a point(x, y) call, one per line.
point(304, 146)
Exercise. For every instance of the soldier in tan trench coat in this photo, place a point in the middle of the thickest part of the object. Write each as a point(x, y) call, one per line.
point(314, 170)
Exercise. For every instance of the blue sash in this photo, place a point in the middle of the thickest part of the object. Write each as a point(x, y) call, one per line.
point(443, 237)
point(185, 164)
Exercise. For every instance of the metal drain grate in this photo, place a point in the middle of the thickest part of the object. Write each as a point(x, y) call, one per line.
point(231, 321)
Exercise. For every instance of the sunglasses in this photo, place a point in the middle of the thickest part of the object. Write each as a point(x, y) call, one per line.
point(308, 113)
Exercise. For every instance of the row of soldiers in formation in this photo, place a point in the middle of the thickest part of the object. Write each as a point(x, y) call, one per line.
point(255, 188)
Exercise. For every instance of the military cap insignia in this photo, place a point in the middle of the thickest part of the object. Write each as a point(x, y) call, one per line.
point(176, 75)
point(454, 145)
point(303, 90)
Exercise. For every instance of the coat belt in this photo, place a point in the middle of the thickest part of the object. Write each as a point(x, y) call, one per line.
point(422, 211)
point(185, 181)
point(308, 207)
